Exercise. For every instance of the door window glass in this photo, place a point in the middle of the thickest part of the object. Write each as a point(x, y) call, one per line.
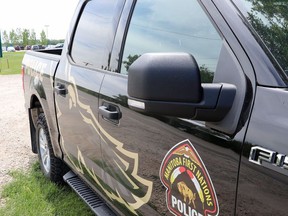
point(167, 26)
point(95, 32)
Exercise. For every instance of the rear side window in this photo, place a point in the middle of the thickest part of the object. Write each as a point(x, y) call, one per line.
point(95, 32)
point(170, 26)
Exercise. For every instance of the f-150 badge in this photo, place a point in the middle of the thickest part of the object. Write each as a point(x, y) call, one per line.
point(189, 188)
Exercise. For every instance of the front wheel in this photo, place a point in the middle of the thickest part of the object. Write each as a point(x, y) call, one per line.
point(52, 167)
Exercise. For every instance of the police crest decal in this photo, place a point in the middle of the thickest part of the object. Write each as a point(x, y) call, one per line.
point(189, 188)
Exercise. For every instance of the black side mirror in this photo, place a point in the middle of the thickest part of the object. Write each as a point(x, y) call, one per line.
point(170, 84)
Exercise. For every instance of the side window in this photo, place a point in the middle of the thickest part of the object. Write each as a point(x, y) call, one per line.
point(95, 33)
point(170, 26)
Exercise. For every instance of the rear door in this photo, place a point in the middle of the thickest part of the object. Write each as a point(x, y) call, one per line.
point(77, 84)
point(157, 164)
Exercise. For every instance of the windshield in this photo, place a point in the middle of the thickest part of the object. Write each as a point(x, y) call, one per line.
point(269, 19)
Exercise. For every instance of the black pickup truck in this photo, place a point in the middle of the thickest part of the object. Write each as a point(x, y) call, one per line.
point(166, 107)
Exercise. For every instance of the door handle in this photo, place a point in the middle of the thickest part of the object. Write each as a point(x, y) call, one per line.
point(60, 89)
point(110, 111)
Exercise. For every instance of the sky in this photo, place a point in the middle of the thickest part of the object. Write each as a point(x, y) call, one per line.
point(52, 16)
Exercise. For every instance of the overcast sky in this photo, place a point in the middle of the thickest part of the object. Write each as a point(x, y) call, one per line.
point(36, 14)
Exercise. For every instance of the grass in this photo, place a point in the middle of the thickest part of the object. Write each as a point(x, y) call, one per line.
point(11, 63)
point(32, 194)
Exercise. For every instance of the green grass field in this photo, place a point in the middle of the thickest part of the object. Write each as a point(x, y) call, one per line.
point(32, 194)
point(11, 63)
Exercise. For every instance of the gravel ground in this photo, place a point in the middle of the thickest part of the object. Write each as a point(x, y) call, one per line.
point(15, 147)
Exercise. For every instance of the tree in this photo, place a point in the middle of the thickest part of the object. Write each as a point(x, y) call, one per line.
point(19, 36)
point(130, 60)
point(6, 38)
point(206, 74)
point(25, 37)
point(56, 41)
point(1, 54)
point(43, 37)
point(13, 37)
point(32, 38)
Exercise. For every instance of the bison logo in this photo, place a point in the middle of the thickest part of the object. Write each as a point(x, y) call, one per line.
point(187, 193)
point(189, 188)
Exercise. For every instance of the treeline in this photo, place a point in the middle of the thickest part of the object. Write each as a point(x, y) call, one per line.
point(24, 37)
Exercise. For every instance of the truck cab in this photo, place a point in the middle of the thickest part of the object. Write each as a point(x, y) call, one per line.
point(168, 108)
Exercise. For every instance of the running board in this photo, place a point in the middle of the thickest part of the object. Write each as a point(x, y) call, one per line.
point(87, 195)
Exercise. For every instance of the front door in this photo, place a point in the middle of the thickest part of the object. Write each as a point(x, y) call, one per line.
point(159, 164)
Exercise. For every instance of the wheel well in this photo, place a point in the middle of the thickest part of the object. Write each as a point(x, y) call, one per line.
point(34, 111)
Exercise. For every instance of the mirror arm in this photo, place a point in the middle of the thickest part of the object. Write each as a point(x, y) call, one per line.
point(224, 104)
point(217, 100)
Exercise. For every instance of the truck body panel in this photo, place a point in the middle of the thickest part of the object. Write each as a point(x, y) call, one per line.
point(38, 84)
point(263, 172)
point(126, 148)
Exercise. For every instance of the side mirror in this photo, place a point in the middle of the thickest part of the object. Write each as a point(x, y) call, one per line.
point(170, 84)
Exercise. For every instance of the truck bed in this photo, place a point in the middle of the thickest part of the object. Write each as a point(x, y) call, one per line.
point(51, 51)
point(38, 70)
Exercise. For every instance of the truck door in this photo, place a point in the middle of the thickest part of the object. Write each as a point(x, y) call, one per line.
point(163, 161)
point(77, 84)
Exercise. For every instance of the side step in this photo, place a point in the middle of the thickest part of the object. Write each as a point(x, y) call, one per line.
point(87, 195)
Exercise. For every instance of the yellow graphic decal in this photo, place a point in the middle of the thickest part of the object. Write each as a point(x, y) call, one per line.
point(135, 201)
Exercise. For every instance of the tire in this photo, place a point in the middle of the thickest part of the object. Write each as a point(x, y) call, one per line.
point(52, 167)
